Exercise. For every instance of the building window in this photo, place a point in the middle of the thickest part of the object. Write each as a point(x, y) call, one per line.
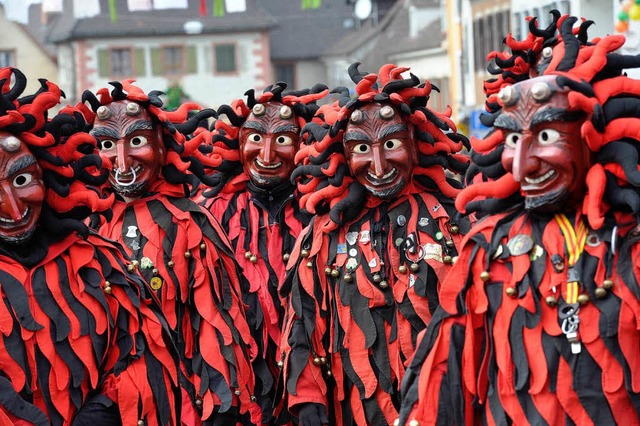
point(121, 63)
point(173, 60)
point(286, 73)
point(488, 34)
point(7, 58)
point(225, 58)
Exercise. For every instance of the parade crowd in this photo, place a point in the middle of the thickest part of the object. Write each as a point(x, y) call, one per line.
point(328, 256)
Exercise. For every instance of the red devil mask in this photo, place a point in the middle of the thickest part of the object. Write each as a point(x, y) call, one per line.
point(269, 140)
point(544, 150)
point(21, 190)
point(380, 149)
point(133, 143)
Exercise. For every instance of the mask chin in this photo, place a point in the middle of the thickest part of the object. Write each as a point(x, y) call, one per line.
point(548, 203)
point(266, 182)
point(130, 191)
point(18, 239)
point(387, 193)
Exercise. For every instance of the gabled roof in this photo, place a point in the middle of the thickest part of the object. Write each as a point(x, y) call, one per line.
point(156, 22)
point(38, 32)
point(430, 37)
point(303, 34)
point(391, 35)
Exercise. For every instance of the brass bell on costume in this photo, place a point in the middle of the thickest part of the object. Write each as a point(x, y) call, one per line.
point(335, 273)
point(247, 254)
point(132, 266)
point(600, 292)
point(203, 246)
point(377, 278)
point(551, 301)
point(327, 270)
point(447, 259)
point(402, 269)
point(583, 299)
point(304, 253)
point(607, 284)
point(384, 284)
point(253, 258)
point(317, 361)
point(170, 264)
point(107, 287)
point(454, 229)
point(484, 276)
point(511, 291)
point(286, 257)
point(187, 254)
point(309, 264)
point(414, 267)
point(348, 278)
point(237, 392)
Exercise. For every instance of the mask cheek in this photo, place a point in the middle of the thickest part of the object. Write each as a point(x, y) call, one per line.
point(507, 159)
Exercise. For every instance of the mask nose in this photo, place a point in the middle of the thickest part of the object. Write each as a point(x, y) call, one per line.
point(10, 206)
point(523, 162)
point(267, 153)
point(122, 159)
point(379, 162)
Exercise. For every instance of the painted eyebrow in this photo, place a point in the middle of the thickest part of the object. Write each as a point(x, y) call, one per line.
point(553, 114)
point(255, 126)
point(286, 128)
point(396, 128)
point(104, 132)
point(20, 164)
point(506, 122)
point(138, 125)
point(355, 136)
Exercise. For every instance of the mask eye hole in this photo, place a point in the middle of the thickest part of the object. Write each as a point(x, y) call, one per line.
point(361, 148)
point(548, 136)
point(284, 140)
point(392, 144)
point(512, 139)
point(255, 138)
point(107, 145)
point(138, 141)
point(23, 179)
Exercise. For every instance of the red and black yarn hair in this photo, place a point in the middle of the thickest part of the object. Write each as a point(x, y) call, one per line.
point(322, 174)
point(523, 59)
point(182, 136)
point(600, 91)
point(72, 169)
point(224, 146)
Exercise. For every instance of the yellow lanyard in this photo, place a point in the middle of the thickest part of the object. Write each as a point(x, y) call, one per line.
point(574, 242)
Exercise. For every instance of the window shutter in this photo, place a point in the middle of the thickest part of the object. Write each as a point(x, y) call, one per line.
point(225, 58)
point(192, 59)
point(103, 63)
point(140, 63)
point(156, 61)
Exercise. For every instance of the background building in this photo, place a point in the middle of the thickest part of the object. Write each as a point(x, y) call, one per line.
point(214, 59)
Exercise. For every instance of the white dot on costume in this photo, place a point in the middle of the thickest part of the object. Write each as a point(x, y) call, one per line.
point(132, 231)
